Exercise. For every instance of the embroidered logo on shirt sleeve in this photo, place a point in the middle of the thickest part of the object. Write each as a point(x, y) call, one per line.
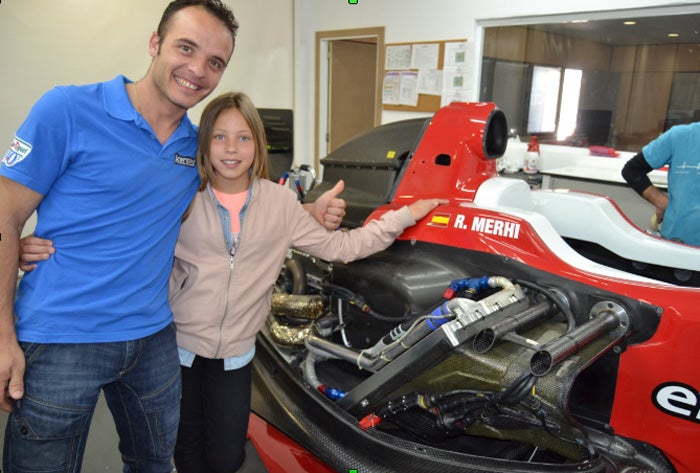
point(18, 151)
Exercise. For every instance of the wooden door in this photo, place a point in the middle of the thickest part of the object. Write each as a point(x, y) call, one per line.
point(351, 89)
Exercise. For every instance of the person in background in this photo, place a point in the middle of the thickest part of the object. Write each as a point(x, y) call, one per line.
point(110, 168)
point(677, 213)
point(229, 253)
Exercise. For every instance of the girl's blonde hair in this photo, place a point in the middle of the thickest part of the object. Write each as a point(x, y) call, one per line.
point(240, 101)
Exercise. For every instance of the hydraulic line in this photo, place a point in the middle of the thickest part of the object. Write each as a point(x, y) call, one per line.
point(474, 285)
point(351, 298)
point(563, 306)
point(309, 369)
point(380, 354)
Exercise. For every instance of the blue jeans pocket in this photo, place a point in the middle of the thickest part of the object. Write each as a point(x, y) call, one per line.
point(48, 426)
point(43, 434)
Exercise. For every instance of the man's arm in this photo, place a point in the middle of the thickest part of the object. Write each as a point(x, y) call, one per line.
point(17, 202)
point(635, 173)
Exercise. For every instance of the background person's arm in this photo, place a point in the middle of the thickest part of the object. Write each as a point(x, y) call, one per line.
point(635, 173)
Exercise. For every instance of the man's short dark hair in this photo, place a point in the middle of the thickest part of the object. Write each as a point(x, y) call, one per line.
point(215, 7)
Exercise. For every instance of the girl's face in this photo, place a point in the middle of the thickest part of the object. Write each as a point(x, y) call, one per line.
point(232, 151)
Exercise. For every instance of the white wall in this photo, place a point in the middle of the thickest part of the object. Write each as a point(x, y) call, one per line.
point(425, 20)
point(48, 42)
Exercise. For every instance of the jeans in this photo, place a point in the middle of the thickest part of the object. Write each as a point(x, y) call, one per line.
point(48, 428)
point(214, 417)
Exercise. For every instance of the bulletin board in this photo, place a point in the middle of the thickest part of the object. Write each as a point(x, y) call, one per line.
point(395, 66)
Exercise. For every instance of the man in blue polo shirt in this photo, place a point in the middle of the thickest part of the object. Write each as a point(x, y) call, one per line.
point(124, 206)
point(678, 212)
point(110, 169)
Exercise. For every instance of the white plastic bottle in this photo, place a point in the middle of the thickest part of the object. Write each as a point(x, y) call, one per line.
point(532, 156)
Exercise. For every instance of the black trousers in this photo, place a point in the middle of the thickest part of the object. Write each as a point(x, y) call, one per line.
point(214, 415)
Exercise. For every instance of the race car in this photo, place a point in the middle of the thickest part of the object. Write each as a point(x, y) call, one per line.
point(511, 330)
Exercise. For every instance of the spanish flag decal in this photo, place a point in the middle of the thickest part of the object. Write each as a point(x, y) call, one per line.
point(440, 220)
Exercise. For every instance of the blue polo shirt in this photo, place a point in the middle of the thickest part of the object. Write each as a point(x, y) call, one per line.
point(113, 199)
point(679, 148)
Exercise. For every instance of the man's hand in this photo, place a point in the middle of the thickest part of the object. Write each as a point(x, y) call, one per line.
point(329, 209)
point(658, 199)
point(12, 366)
point(33, 249)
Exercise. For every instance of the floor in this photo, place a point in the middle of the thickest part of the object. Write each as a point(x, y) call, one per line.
point(101, 453)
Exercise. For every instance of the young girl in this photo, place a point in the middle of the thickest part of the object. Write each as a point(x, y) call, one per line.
point(228, 256)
